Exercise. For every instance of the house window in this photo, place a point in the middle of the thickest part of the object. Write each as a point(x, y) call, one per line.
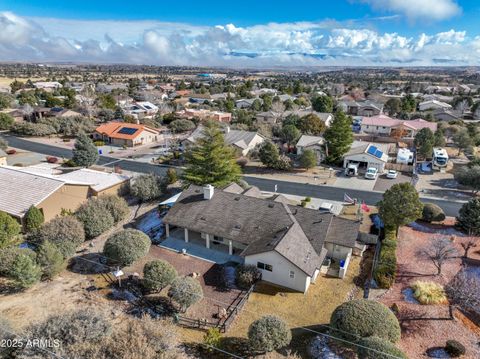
point(264, 266)
point(292, 274)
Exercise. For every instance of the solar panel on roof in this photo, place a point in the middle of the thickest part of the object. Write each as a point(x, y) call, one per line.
point(378, 154)
point(127, 130)
point(371, 150)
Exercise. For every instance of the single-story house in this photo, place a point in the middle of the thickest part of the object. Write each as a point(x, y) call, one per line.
point(367, 155)
point(433, 105)
point(203, 114)
point(47, 85)
point(365, 108)
point(446, 115)
point(3, 158)
point(289, 244)
point(315, 143)
point(141, 108)
point(246, 102)
point(63, 112)
point(200, 98)
point(383, 125)
point(272, 117)
point(126, 134)
point(243, 141)
point(23, 187)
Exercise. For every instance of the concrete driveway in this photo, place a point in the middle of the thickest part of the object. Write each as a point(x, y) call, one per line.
point(359, 182)
point(383, 183)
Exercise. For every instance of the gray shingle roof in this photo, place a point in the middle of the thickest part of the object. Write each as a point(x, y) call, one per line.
point(20, 190)
point(263, 224)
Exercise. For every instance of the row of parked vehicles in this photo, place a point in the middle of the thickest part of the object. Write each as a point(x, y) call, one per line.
point(371, 173)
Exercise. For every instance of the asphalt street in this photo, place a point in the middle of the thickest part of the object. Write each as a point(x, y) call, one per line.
point(299, 189)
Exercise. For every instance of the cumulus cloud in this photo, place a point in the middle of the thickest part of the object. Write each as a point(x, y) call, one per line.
point(419, 9)
point(268, 45)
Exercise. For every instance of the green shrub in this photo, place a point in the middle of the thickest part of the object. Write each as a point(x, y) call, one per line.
point(212, 338)
point(181, 125)
point(364, 318)
point(186, 291)
point(25, 272)
point(172, 176)
point(147, 187)
point(32, 129)
point(432, 213)
point(33, 219)
point(455, 348)
point(116, 205)
point(385, 271)
point(50, 258)
point(99, 143)
point(378, 345)
point(95, 218)
point(268, 333)
point(6, 121)
point(66, 233)
point(72, 327)
point(429, 292)
point(158, 274)
point(125, 247)
point(84, 152)
point(247, 275)
point(8, 256)
point(9, 230)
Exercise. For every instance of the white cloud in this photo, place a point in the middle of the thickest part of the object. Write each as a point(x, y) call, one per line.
point(274, 44)
point(419, 9)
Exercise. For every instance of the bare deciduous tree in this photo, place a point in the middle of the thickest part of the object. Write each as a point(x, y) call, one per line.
point(467, 246)
point(440, 251)
point(464, 291)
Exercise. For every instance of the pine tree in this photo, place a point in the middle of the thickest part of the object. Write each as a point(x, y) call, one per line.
point(210, 160)
point(85, 153)
point(33, 219)
point(339, 137)
point(400, 205)
point(469, 217)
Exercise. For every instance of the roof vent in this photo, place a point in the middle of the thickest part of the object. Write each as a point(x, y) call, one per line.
point(237, 198)
point(208, 192)
point(270, 205)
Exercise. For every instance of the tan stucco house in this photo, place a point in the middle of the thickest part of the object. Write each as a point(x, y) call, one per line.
point(126, 134)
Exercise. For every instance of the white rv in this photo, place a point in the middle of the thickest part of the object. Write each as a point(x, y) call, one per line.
point(440, 157)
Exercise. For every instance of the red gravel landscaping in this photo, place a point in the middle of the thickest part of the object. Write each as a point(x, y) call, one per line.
point(426, 326)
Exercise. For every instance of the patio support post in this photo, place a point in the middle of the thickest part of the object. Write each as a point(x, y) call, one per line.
point(186, 235)
point(167, 230)
point(207, 240)
point(230, 248)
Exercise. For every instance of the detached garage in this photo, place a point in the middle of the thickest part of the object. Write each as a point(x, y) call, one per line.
point(367, 155)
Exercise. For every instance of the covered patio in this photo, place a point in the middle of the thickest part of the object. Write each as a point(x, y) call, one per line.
point(205, 246)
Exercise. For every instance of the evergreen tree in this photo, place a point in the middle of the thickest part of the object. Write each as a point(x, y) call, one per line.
point(9, 230)
point(400, 205)
point(424, 141)
point(311, 125)
point(33, 219)
point(322, 104)
point(84, 153)
point(308, 159)
point(269, 154)
point(290, 134)
point(119, 114)
point(469, 217)
point(339, 137)
point(50, 259)
point(211, 160)
point(25, 272)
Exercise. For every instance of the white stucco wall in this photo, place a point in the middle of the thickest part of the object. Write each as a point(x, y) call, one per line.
point(337, 252)
point(280, 273)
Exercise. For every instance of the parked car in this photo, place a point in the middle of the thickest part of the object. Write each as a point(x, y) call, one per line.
point(371, 173)
point(392, 174)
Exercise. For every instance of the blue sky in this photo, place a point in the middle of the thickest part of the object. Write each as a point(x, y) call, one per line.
point(243, 33)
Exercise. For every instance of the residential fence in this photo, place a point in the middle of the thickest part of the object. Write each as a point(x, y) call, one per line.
point(235, 308)
point(399, 167)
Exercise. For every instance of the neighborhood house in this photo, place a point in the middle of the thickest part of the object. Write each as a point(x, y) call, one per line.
point(126, 134)
point(289, 244)
point(386, 126)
